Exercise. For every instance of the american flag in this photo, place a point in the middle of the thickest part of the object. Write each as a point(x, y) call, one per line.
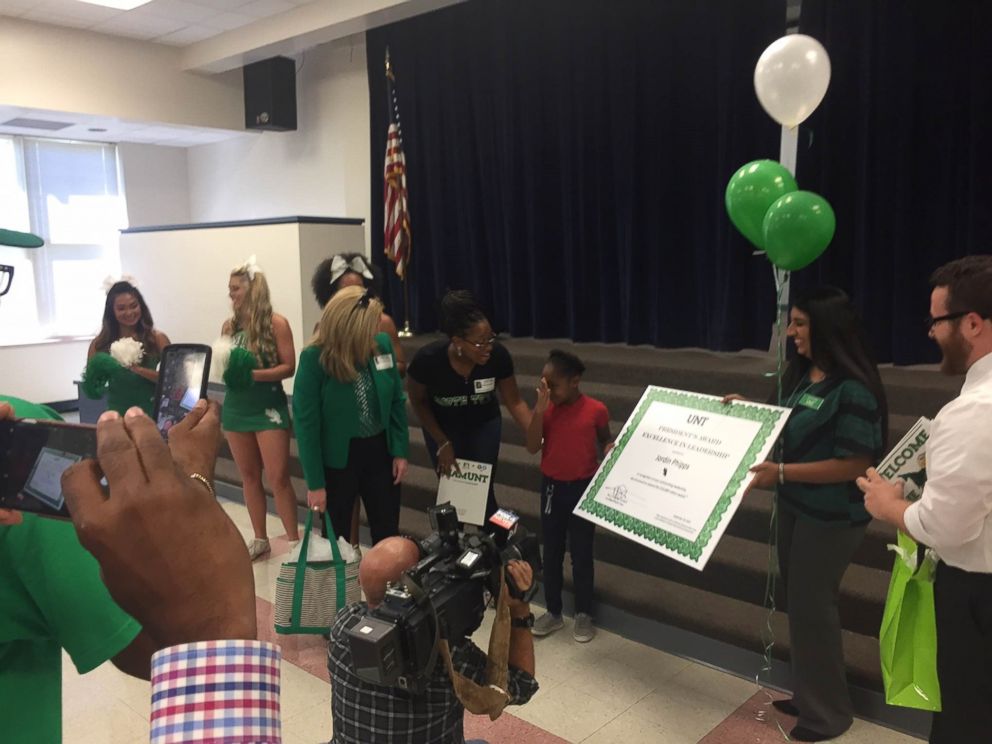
point(397, 222)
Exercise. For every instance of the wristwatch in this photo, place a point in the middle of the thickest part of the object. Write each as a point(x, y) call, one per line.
point(523, 622)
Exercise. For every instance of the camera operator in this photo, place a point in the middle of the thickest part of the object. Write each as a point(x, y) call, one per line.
point(363, 712)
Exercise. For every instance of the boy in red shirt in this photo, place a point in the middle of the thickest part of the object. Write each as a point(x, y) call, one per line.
point(568, 428)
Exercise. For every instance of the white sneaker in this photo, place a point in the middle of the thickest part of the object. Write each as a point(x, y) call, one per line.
point(583, 631)
point(547, 624)
point(257, 548)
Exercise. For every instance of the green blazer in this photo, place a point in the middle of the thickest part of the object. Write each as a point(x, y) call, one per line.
point(325, 413)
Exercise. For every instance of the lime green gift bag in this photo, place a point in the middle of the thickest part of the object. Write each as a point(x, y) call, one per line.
point(908, 636)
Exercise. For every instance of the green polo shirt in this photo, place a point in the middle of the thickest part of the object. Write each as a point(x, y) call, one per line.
point(51, 597)
point(834, 418)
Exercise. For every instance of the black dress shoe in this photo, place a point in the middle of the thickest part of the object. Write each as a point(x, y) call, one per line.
point(801, 733)
point(787, 707)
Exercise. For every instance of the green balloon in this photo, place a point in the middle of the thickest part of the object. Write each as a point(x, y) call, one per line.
point(798, 228)
point(751, 191)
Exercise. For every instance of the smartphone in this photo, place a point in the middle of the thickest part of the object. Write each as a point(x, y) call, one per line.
point(33, 456)
point(182, 380)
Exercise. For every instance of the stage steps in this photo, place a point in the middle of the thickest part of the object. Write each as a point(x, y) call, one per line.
point(725, 601)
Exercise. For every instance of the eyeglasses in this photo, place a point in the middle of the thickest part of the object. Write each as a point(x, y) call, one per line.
point(488, 343)
point(929, 322)
point(6, 278)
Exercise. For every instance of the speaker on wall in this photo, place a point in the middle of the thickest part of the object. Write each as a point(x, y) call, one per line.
point(270, 94)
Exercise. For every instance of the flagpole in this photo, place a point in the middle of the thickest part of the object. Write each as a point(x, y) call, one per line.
point(407, 331)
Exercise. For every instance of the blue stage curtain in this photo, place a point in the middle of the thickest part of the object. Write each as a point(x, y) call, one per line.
point(902, 148)
point(567, 162)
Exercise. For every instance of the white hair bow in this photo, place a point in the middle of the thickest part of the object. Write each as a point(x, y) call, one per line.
point(111, 280)
point(249, 267)
point(339, 265)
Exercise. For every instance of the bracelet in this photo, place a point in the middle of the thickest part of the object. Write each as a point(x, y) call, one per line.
point(203, 479)
point(447, 443)
point(781, 473)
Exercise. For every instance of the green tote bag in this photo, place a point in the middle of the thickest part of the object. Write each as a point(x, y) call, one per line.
point(908, 636)
point(309, 594)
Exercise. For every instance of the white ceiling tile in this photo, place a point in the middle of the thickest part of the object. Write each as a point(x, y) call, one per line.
point(73, 9)
point(190, 12)
point(222, 5)
point(228, 21)
point(188, 35)
point(265, 8)
point(140, 25)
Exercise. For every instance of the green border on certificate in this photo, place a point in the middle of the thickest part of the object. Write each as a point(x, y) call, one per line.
point(769, 419)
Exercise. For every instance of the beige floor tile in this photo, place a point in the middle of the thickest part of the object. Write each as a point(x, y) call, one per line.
point(620, 684)
point(568, 713)
point(106, 721)
point(628, 728)
point(312, 725)
point(863, 732)
point(301, 691)
point(694, 701)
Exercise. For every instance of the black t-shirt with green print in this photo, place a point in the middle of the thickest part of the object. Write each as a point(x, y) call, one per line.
point(833, 418)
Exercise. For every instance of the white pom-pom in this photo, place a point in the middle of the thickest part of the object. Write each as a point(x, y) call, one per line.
point(127, 351)
point(220, 357)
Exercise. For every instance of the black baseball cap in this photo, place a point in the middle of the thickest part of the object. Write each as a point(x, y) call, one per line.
point(17, 239)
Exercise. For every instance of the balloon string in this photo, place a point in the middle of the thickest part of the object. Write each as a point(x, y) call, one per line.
point(767, 632)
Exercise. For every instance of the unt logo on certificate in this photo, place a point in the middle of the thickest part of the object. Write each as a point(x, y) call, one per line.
point(679, 470)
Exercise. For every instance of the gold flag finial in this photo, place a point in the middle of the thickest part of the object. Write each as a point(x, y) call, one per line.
point(389, 69)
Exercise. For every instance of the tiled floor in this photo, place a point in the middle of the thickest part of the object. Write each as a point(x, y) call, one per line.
point(610, 691)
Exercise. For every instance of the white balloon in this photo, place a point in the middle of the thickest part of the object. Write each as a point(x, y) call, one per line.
point(791, 78)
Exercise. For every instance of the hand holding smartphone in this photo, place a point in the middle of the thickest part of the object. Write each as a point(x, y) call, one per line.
point(34, 454)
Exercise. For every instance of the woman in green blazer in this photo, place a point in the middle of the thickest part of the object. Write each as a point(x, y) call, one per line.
point(349, 412)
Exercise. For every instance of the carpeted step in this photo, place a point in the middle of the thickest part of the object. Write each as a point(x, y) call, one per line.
point(917, 391)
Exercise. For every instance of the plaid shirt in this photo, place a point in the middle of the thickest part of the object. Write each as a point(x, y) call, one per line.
point(365, 713)
point(216, 692)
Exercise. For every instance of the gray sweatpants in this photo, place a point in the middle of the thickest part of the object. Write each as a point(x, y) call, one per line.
point(812, 558)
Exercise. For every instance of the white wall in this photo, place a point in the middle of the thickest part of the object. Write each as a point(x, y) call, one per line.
point(63, 69)
point(156, 184)
point(42, 373)
point(156, 191)
point(185, 273)
point(322, 169)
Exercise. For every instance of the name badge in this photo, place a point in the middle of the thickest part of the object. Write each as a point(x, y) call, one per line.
point(384, 361)
point(486, 385)
point(811, 401)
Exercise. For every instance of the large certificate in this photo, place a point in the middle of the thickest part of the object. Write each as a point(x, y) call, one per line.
point(679, 470)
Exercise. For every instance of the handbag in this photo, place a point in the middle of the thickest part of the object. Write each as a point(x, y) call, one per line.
point(309, 594)
point(908, 636)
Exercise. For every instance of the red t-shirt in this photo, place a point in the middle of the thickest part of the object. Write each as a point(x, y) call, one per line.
point(570, 449)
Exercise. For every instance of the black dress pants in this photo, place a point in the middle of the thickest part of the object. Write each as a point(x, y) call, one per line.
point(963, 604)
point(369, 474)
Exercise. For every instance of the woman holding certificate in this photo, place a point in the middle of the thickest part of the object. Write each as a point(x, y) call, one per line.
point(456, 385)
point(836, 431)
point(349, 412)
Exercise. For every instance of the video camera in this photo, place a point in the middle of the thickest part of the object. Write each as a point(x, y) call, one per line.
point(444, 596)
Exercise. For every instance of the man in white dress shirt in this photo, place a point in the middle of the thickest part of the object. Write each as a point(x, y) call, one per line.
point(954, 514)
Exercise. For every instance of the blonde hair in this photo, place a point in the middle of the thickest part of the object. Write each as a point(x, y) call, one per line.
point(346, 333)
point(257, 311)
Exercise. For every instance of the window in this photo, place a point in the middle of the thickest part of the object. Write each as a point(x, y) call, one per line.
point(70, 194)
